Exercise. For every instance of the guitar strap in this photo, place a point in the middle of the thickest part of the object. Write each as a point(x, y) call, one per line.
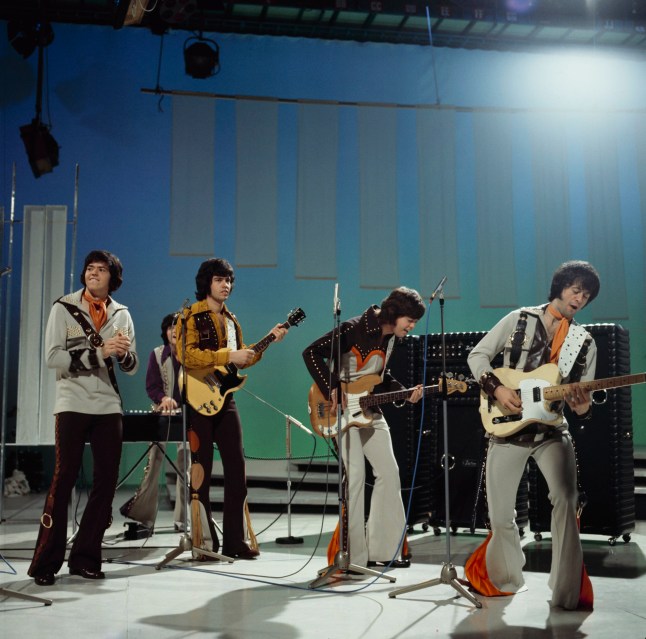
point(517, 340)
point(94, 338)
point(209, 335)
point(389, 350)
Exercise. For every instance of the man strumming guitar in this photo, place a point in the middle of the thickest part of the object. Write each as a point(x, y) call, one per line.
point(214, 339)
point(530, 338)
point(366, 342)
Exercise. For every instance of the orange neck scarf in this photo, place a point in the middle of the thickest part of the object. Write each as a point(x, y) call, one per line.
point(559, 336)
point(98, 311)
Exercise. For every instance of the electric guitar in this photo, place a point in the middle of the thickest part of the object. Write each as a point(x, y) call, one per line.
point(207, 388)
point(541, 395)
point(358, 401)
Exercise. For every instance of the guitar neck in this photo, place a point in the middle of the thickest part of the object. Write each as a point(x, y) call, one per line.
point(260, 346)
point(559, 392)
point(393, 396)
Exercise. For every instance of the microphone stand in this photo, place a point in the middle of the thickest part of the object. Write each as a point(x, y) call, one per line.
point(448, 575)
point(341, 561)
point(289, 421)
point(186, 543)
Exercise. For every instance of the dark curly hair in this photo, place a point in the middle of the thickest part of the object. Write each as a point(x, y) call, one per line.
point(167, 322)
point(114, 264)
point(216, 266)
point(402, 302)
point(575, 272)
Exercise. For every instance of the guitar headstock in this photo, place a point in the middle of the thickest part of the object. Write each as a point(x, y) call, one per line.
point(295, 317)
point(454, 385)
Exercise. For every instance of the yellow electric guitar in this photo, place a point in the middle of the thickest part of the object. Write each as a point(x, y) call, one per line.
point(358, 402)
point(542, 396)
point(207, 388)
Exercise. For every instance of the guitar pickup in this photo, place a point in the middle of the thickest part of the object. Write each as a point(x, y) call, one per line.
point(506, 419)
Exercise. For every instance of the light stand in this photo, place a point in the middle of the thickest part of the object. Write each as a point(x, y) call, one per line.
point(289, 420)
point(4, 592)
point(341, 561)
point(448, 574)
point(186, 543)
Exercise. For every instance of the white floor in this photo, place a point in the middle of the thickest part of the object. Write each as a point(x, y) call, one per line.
point(272, 596)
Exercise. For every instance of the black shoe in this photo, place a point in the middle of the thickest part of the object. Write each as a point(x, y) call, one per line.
point(249, 553)
point(46, 579)
point(398, 563)
point(86, 573)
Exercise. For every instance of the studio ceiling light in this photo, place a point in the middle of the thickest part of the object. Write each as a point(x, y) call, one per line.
point(201, 58)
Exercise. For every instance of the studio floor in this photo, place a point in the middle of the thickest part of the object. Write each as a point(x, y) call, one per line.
point(272, 596)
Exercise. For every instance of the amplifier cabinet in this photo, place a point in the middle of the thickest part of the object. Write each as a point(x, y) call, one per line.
point(604, 448)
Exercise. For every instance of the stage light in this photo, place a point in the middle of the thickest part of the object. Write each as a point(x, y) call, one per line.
point(42, 149)
point(202, 58)
point(25, 35)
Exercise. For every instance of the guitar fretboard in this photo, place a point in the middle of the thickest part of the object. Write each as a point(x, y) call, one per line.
point(559, 392)
point(393, 396)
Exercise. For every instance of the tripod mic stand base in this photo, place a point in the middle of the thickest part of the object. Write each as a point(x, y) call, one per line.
point(289, 540)
point(342, 564)
point(186, 545)
point(449, 577)
point(5, 592)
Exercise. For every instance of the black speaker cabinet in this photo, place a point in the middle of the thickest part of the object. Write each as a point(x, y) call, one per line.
point(604, 448)
point(422, 455)
point(404, 422)
point(467, 446)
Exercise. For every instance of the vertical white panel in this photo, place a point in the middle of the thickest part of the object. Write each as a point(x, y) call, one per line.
point(257, 183)
point(53, 288)
point(192, 212)
point(495, 214)
point(551, 197)
point(315, 248)
point(378, 189)
point(438, 227)
point(43, 277)
point(604, 217)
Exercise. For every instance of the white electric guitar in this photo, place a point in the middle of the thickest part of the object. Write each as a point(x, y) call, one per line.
point(541, 396)
point(358, 402)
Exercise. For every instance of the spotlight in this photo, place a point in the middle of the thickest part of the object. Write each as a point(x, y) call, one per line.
point(26, 35)
point(42, 149)
point(201, 60)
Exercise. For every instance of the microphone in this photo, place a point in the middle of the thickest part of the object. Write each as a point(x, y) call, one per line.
point(438, 289)
point(183, 306)
point(337, 301)
point(5, 270)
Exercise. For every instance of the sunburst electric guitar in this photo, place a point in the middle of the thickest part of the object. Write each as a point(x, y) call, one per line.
point(542, 397)
point(358, 402)
point(207, 388)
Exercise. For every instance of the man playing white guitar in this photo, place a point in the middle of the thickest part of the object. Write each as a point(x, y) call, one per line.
point(365, 343)
point(522, 422)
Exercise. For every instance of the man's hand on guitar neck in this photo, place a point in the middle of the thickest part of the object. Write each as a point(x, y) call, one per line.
point(508, 399)
point(244, 356)
point(416, 395)
point(578, 399)
point(279, 331)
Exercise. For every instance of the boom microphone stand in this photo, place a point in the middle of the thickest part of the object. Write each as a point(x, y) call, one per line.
point(289, 421)
point(341, 561)
point(185, 542)
point(448, 574)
